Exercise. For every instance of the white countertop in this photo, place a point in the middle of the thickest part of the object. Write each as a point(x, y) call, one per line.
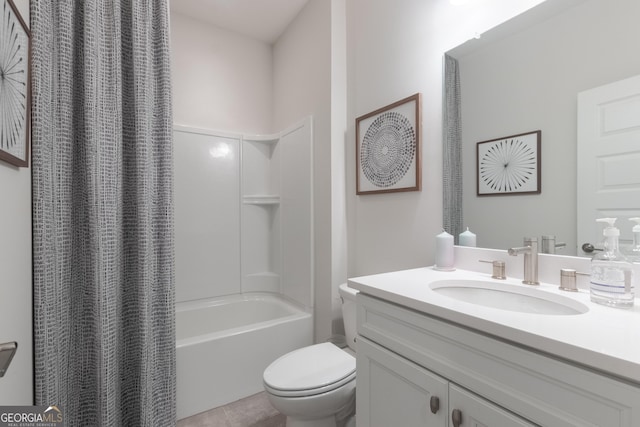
point(604, 338)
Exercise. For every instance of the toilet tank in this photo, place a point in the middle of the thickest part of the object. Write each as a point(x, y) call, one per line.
point(348, 296)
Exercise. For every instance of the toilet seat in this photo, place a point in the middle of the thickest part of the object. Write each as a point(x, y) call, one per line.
point(310, 371)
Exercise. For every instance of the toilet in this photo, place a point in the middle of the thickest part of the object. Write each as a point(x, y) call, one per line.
point(315, 386)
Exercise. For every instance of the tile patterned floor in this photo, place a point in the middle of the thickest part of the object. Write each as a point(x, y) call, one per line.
point(252, 411)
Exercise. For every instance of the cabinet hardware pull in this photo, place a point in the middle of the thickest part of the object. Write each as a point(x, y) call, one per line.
point(456, 417)
point(435, 404)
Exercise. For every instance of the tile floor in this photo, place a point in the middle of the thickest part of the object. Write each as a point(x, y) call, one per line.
point(252, 411)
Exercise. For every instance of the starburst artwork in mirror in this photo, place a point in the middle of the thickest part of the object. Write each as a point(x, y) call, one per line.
point(14, 86)
point(509, 165)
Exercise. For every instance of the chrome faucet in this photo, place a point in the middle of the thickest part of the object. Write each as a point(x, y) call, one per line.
point(530, 251)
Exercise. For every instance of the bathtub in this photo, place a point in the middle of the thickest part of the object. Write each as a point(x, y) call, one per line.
point(224, 344)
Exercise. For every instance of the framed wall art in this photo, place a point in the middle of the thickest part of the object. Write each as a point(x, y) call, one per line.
point(15, 97)
point(388, 148)
point(509, 165)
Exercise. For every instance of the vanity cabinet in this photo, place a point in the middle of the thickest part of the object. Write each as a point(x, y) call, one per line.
point(394, 391)
point(417, 370)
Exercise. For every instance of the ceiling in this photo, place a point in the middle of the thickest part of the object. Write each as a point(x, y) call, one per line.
point(264, 20)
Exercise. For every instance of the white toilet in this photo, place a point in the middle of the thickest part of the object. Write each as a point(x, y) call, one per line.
point(315, 386)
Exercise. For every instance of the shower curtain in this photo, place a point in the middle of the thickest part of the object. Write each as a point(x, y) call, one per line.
point(104, 333)
point(452, 167)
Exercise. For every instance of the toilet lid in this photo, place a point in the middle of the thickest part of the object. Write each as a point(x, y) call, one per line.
point(309, 368)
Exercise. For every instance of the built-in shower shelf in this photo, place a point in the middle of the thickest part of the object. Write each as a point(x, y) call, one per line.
point(269, 274)
point(261, 200)
point(263, 139)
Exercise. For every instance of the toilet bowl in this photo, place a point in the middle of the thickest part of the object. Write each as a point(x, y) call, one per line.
point(315, 386)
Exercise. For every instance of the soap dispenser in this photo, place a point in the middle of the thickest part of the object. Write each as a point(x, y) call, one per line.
point(634, 252)
point(611, 272)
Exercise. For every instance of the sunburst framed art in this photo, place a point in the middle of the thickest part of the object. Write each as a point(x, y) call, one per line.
point(509, 165)
point(388, 148)
point(15, 97)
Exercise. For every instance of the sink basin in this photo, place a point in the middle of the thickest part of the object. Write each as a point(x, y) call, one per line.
point(504, 296)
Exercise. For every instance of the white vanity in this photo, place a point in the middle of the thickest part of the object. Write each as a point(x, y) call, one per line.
point(431, 358)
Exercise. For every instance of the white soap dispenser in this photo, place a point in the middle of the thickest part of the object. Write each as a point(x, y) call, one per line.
point(611, 272)
point(634, 251)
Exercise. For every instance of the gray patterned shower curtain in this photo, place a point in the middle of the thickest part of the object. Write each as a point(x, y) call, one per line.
point(104, 334)
point(452, 150)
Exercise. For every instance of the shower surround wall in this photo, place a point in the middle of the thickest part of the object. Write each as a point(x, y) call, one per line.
point(244, 231)
point(244, 213)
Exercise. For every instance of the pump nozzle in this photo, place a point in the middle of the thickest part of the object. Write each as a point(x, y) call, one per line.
point(610, 230)
point(611, 221)
point(637, 226)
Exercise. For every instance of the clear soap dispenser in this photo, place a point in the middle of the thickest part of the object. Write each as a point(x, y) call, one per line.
point(611, 272)
point(634, 251)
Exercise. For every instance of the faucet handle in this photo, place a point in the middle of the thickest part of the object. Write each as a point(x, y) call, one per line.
point(499, 269)
point(549, 244)
point(568, 279)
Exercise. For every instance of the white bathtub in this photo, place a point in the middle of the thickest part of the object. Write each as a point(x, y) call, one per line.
point(224, 344)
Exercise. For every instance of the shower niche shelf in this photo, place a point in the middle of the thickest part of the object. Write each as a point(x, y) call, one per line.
point(265, 200)
point(260, 248)
point(261, 214)
point(263, 139)
point(276, 205)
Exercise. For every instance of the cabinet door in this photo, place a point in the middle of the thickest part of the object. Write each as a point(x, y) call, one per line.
point(392, 391)
point(470, 410)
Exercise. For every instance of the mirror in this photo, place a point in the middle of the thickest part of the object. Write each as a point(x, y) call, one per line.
point(524, 76)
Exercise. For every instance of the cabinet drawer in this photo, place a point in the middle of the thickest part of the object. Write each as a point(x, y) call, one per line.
point(545, 390)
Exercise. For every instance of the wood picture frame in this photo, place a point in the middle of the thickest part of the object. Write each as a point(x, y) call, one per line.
point(15, 82)
point(388, 148)
point(509, 165)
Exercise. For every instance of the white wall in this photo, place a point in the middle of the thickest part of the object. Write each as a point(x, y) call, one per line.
point(542, 69)
point(16, 387)
point(339, 147)
point(221, 80)
point(395, 49)
point(302, 86)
